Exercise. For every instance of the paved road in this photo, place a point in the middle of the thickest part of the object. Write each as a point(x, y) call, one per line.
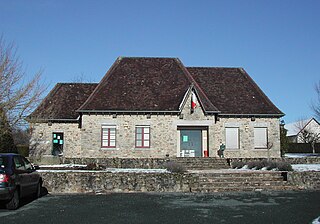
point(275, 207)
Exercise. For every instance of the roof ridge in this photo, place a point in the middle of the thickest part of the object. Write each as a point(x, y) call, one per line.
point(213, 67)
point(147, 57)
point(104, 79)
point(77, 83)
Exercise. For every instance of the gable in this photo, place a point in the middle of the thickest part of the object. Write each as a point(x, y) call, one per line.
point(159, 85)
point(233, 92)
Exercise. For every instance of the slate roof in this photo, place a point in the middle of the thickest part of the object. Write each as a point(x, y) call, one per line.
point(142, 84)
point(232, 91)
point(63, 101)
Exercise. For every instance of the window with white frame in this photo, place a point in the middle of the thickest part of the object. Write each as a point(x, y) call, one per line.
point(142, 139)
point(108, 136)
point(232, 138)
point(260, 138)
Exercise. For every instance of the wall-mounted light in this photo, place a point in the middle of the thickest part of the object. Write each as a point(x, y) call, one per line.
point(148, 116)
point(49, 123)
point(253, 118)
point(114, 115)
point(181, 116)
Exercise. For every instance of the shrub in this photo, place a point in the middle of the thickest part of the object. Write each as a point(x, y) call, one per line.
point(284, 166)
point(272, 165)
point(237, 164)
point(175, 167)
point(257, 164)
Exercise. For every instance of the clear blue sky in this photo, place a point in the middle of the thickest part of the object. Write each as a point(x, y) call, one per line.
point(277, 42)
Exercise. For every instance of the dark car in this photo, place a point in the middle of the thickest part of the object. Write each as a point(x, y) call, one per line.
point(18, 179)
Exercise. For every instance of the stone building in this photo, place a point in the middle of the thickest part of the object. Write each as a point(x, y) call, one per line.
point(157, 107)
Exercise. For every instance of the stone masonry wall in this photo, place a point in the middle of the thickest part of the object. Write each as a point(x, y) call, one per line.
point(305, 180)
point(164, 135)
point(246, 137)
point(41, 138)
point(104, 182)
point(165, 138)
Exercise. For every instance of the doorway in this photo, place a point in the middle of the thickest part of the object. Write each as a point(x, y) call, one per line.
point(190, 143)
point(57, 143)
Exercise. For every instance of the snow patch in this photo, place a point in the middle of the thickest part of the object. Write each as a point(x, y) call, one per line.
point(301, 155)
point(108, 170)
point(305, 167)
point(63, 166)
point(316, 221)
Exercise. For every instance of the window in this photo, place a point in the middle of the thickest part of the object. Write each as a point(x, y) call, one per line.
point(260, 138)
point(18, 163)
point(232, 138)
point(27, 164)
point(142, 137)
point(108, 137)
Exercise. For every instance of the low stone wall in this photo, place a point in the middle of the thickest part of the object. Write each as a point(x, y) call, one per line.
point(308, 180)
point(304, 160)
point(103, 182)
point(144, 163)
point(152, 163)
point(158, 163)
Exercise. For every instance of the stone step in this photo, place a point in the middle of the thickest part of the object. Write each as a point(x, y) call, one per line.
point(242, 184)
point(241, 174)
point(243, 188)
point(239, 179)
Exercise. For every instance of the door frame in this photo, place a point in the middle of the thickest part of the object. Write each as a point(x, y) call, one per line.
point(203, 143)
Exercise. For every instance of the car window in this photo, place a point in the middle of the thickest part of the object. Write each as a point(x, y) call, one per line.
point(19, 164)
point(3, 162)
point(27, 164)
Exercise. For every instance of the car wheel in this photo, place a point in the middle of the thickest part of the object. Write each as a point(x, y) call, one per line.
point(14, 201)
point(38, 191)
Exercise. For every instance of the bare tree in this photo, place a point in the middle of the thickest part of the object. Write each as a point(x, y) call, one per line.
point(307, 133)
point(18, 96)
point(316, 104)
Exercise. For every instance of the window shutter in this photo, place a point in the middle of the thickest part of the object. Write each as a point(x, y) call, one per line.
point(232, 138)
point(260, 138)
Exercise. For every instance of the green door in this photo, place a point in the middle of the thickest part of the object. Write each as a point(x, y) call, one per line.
point(190, 143)
point(57, 143)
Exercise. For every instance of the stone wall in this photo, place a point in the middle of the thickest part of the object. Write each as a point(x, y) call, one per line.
point(104, 182)
point(304, 160)
point(41, 138)
point(151, 163)
point(164, 135)
point(305, 180)
point(246, 137)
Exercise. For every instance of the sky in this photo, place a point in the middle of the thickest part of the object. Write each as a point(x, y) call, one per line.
point(276, 42)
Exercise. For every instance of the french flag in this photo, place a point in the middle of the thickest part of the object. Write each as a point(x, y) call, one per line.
point(193, 102)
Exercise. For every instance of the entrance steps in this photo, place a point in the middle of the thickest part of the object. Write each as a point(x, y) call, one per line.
point(197, 163)
point(242, 181)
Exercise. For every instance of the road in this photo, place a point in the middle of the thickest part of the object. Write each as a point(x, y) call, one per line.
point(257, 207)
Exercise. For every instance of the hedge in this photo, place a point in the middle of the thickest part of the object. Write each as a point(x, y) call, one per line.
point(302, 148)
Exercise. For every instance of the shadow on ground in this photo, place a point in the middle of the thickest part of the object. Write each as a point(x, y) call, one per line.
point(27, 200)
